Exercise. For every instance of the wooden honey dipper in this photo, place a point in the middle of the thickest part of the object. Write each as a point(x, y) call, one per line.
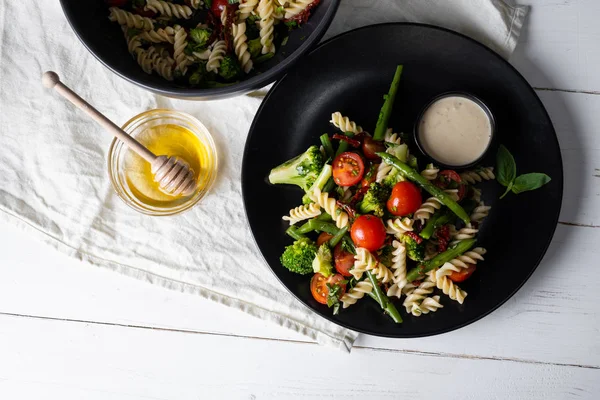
point(173, 175)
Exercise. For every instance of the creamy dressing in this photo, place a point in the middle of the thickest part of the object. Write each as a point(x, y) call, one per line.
point(455, 131)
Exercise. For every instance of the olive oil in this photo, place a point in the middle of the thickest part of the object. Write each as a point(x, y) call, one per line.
point(171, 140)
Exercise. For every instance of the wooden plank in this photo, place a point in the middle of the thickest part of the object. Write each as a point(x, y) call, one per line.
point(74, 360)
point(559, 45)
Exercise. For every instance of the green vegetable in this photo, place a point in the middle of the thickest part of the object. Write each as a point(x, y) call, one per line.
point(293, 232)
point(335, 239)
point(252, 29)
point(416, 177)
point(394, 176)
point(263, 58)
point(319, 183)
point(413, 162)
point(343, 144)
point(254, 47)
point(324, 217)
point(318, 225)
point(322, 261)
point(506, 174)
point(334, 295)
point(208, 3)
point(440, 218)
point(439, 260)
point(291, 24)
point(200, 36)
point(229, 68)
point(375, 200)
point(384, 301)
point(414, 250)
point(131, 32)
point(198, 76)
point(348, 244)
point(326, 142)
point(388, 104)
point(302, 170)
point(299, 256)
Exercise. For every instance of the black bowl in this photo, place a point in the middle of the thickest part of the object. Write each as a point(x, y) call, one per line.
point(104, 39)
point(350, 73)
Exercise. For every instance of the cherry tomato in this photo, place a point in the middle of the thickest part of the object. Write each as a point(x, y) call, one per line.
point(368, 231)
point(323, 238)
point(319, 288)
point(344, 260)
point(348, 169)
point(371, 146)
point(451, 179)
point(370, 176)
point(405, 199)
point(463, 274)
point(218, 6)
point(450, 175)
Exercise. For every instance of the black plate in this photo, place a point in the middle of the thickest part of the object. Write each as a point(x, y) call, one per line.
point(104, 39)
point(350, 73)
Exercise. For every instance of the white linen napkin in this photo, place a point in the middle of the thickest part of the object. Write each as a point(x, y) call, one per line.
point(53, 175)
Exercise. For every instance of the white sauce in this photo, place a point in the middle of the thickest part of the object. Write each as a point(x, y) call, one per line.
point(455, 131)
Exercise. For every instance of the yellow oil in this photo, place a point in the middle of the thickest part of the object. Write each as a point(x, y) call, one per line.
point(170, 140)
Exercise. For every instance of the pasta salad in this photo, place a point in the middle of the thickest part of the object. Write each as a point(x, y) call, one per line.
point(206, 43)
point(372, 223)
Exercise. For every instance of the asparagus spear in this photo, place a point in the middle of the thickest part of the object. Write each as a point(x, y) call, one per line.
point(414, 176)
point(293, 232)
point(439, 260)
point(327, 145)
point(441, 217)
point(335, 239)
point(384, 301)
point(386, 110)
point(318, 225)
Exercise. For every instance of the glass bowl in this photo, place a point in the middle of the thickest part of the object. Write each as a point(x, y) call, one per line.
point(124, 165)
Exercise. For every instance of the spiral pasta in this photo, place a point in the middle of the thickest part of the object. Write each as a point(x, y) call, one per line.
point(147, 58)
point(479, 213)
point(356, 293)
point(392, 137)
point(130, 20)
point(246, 8)
point(414, 296)
point(179, 45)
point(468, 232)
point(447, 286)
point(169, 9)
point(204, 55)
point(429, 304)
point(134, 44)
point(399, 268)
point(344, 124)
point(166, 34)
point(196, 3)
point(430, 172)
point(462, 261)
point(303, 212)
point(330, 206)
point(478, 175)
point(240, 46)
point(295, 7)
point(265, 11)
point(476, 194)
point(399, 226)
point(216, 55)
point(364, 261)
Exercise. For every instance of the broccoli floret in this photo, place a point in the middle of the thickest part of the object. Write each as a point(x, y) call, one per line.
point(200, 36)
point(198, 76)
point(298, 257)
point(230, 68)
point(301, 170)
point(374, 200)
point(321, 180)
point(414, 250)
point(322, 261)
point(254, 47)
point(252, 30)
point(400, 152)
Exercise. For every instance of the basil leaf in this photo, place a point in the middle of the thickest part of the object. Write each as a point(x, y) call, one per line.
point(530, 181)
point(506, 168)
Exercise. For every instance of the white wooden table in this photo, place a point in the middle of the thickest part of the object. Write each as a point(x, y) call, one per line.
point(72, 331)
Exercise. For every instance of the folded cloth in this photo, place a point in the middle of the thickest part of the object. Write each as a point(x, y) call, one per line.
point(54, 183)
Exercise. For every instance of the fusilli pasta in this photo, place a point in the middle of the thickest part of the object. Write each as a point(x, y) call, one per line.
point(364, 261)
point(399, 268)
point(391, 137)
point(468, 232)
point(179, 45)
point(356, 293)
point(240, 46)
point(265, 11)
point(295, 7)
point(166, 34)
point(169, 9)
point(447, 286)
point(462, 261)
point(430, 172)
point(431, 205)
point(246, 8)
point(478, 175)
point(164, 67)
point(414, 296)
point(429, 304)
point(330, 206)
point(399, 226)
point(479, 213)
point(130, 20)
point(216, 55)
point(303, 212)
point(344, 124)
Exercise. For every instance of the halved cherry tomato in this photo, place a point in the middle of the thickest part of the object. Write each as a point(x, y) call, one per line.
point(371, 146)
point(450, 175)
point(370, 176)
point(462, 274)
point(323, 238)
point(405, 199)
point(319, 288)
point(368, 231)
point(344, 260)
point(218, 6)
point(451, 179)
point(348, 169)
